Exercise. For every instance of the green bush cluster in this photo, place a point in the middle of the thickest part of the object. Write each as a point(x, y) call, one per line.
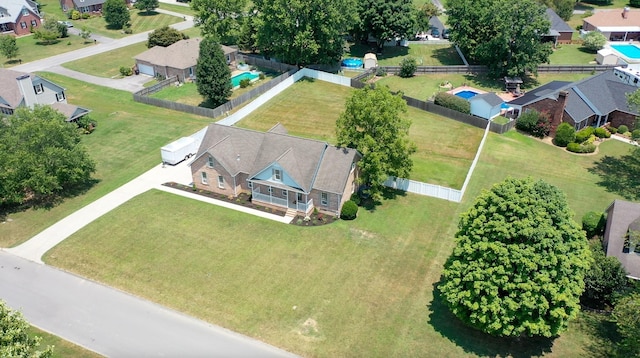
point(565, 134)
point(581, 148)
point(261, 76)
point(126, 71)
point(244, 83)
point(75, 15)
point(349, 210)
point(623, 129)
point(635, 135)
point(593, 223)
point(453, 102)
point(584, 134)
point(612, 130)
point(535, 123)
point(601, 132)
point(381, 72)
point(408, 67)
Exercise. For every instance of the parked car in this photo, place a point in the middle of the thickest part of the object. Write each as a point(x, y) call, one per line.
point(66, 23)
point(445, 33)
point(435, 32)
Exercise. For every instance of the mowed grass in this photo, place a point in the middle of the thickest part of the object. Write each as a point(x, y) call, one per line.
point(572, 54)
point(125, 144)
point(363, 288)
point(425, 55)
point(177, 8)
point(31, 49)
point(140, 22)
point(62, 348)
point(310, 109)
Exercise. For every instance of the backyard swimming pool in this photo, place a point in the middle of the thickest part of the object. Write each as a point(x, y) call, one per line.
point(629, 51)
point(235, 80)
point(352, 63)
point(466, 94)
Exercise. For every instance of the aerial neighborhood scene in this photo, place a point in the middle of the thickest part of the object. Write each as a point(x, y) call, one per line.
point(373, 178)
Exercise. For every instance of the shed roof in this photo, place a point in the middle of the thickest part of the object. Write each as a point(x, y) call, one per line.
point(491, 98)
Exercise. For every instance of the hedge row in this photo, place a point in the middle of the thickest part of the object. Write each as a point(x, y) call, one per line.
point(452, 102)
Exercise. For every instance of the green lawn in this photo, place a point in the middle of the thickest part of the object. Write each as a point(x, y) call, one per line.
point(426, 55)
point(31, 49)
point(140, 22)
point(364, 288)
point(126, 143)
point(572, 54)
point(62, 348)
point(425, 86)
point(177, 8)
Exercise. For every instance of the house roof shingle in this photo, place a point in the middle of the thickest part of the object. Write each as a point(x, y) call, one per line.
point(549, 90)
point(620, 216)
point(83, 3)
point(11, 9)
point(490, 97)
point(613, 18)
point(311, 164)
point(557, 23)
point(182, 54)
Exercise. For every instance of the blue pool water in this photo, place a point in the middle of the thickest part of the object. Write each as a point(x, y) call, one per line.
point(235, 80)
point(352, 63)
point(504, 106)
point(629, 51)
point(466, 94)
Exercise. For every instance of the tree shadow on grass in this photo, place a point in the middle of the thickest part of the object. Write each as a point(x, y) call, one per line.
point(148, 13)
point(48, 43)
point(447, 56)
point(387, 194)
point(602, 332)
point(620, 175)
point(475, 342)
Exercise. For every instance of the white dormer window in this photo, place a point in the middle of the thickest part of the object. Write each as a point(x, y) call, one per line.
point(60, 97)
point(277, 175)
point(210, 162)
point(25, 12)
point(38, 88)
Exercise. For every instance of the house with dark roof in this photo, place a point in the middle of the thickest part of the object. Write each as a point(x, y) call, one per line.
point(619, 24)
point(18, 17)
point(24, 89)
point(85, 6)
point(622, 235)
point(559, 32)
point(277, 169)
point(593, 101)
point(486, 105)
point(178, 59)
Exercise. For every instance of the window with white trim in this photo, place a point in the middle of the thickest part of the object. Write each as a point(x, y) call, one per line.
point(210, 162)
point(23, 24)
point(277, 175)
point(60, 97)
point(38, 88)
point(34, 23)
point(220, 182)
point(324, 199)
point(203, 178)
point(25, 12)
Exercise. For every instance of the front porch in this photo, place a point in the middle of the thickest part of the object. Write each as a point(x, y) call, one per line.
point(292, 200)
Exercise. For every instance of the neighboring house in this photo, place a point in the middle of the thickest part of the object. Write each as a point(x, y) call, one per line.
point(593, 101)
point(622, 235)
point(18, 17)
point(486, 105)
point(179, 59)
point(621, 25)
point(85, 5)
point(23, 89)
point(559, 32)
point(277, 169)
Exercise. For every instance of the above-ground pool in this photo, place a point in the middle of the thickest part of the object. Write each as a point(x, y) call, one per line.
point(352, 63)
point(235, 80)
point(631, 51)
point(466, 94)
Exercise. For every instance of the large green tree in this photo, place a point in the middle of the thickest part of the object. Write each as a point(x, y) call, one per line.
point(116, 14)
point(564, 8)
point(374, 122)
point(212, 73)
point(519, 261)
point(387, 19)
point(165, 36)
point(303, 32)
point(626, 314)
point(147, 5)
point(220, 19)
point(504, 35)
point(603, 280)
point(40, 156)
point(15, 340)
point(424, 14)
point(8, 46)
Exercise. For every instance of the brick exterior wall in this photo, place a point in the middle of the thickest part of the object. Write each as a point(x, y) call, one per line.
point(26, 19)
point(200, 165)
point(618, 118)
point(66, 5)
point(565, 38)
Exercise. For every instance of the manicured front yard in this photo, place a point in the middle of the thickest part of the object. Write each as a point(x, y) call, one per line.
point(572, 54)
point(140, 22)
point(426, 55)
point(62, 348)
point(126, 143)
point(31, 49)
point(107, 64)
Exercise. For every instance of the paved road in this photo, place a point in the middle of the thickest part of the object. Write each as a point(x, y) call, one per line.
point(111, 322)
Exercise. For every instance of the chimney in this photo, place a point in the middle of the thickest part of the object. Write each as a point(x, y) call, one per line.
point(625, 12)
point(558, 112)
point(26, 89)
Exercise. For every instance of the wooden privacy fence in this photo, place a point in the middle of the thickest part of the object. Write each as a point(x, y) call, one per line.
point(260, 62)
point(483, 69)
point(158, 86)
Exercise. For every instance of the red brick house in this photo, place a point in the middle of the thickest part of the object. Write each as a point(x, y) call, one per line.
point(18, 17)
point(593, 101)
point(277, 169)
point(85, 5)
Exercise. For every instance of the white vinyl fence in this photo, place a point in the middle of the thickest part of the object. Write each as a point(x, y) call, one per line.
point(421, 188)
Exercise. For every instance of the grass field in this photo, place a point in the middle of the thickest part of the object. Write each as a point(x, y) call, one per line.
point(572, 54)
point(125, 144)
point(426, 55)
point(177, 8)
point(62, 348)
point(31, 49)
point(140, 22)
point(365, 288)
point(425, 86)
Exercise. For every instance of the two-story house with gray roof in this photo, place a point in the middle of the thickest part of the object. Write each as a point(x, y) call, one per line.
point(24, 89)
point(277, 169)
point(18, 17)
point(593, 101)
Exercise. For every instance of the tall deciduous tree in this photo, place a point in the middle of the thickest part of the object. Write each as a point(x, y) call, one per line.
point(594, 41)
point(212, 73)
point(519, 261)
point(374, 123)
point(15, 340)
point(303, 32)
point(220, 19)
point(116, 14)
point(248, 39)
point(387, 19)
point(504, 35)
point(605, 277)
point(40, 156)
point(628, 323)
point(165, 36)
point(147, 5)
point(424, 14)
point(8, 46)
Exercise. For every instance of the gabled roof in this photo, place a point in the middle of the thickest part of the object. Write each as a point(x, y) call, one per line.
point(621, 216)
point(557, 24)
point(70, 111)
point(309, 163)
point(9, 90)
point(182, 54)
point(10, 9)
point(82, 3)
point(549, 90)
point(612, 20)
point(491, 98)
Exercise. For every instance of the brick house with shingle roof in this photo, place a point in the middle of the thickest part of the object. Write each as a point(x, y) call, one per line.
point(623, 219)
point(18, 17)
point(277, 169)
point(559, 31)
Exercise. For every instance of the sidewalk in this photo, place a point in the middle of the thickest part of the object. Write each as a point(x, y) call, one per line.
point(623, 139)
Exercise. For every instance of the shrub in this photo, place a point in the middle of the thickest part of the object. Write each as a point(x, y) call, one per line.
point(593, 223)
point(86, 15)
point(452, 102)
point(349, 210)
point(355, 198)
point(594, 41)
point(612, 130)
point(581, 148)
point(623, 129)
point(584, 134)
point(261, 76)
point(565, 134)
point(527, 121)
point(601, 133)
point(75, 15)
point(408, 67)
point(381, 72)
point(86, 124)
point(244, 83)
point(635, 135)
point(542, 127)
point(126, 71)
